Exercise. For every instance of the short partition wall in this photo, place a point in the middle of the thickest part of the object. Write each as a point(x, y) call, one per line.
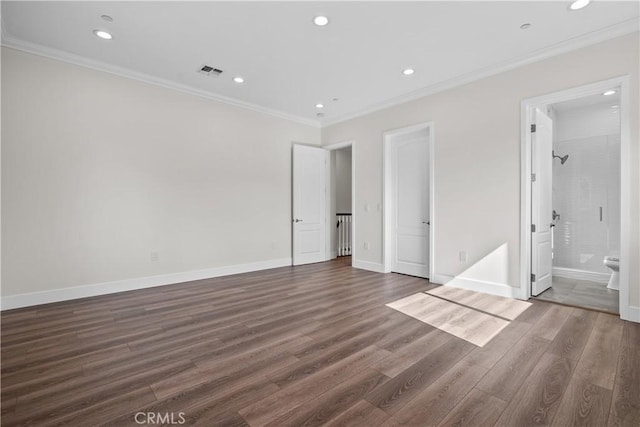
point(344, 234)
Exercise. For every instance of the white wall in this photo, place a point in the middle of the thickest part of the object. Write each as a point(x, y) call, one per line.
point(98, 171)
point(477, 158)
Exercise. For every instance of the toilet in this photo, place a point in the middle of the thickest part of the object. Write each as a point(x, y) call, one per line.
point(613, 263)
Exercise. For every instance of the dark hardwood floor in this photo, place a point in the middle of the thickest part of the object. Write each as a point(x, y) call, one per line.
point(310, 345)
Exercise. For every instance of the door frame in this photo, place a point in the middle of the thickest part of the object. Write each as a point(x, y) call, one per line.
point(527, 107)
point(330, 221)
point(387, 190)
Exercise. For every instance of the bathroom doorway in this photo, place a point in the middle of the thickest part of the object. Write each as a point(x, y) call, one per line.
point(581, 179)
point(585, 225)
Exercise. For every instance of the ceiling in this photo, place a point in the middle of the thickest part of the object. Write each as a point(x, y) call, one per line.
point(352, 65)
point(589, 101)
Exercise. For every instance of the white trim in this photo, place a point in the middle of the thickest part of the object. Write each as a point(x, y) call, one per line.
point(432, 199)
point(575, 274)
point(625, 199)
point(584, 40)
point(498, 289)
point(439, 279)
point(64, 294)
point(527, 106)
point(633, 314)
point(328, 219)
point(368, 265)
point(387, 226)
point(339, 145)
point(71, 58)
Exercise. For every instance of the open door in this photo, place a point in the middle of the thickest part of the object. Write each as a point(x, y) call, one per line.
point(309, 204)
point(541, 203)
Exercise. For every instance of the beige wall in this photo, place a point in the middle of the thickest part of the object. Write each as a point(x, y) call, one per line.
point(98, 171)
point(477, 157)
point(343, 180)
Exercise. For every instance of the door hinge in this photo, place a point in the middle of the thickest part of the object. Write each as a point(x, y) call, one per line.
point(533, 177)
point(533, 128)
point(533, 277)
point(533, 228)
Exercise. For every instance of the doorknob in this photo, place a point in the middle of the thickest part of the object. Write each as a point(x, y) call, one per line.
point(426, 222)
point(297, 220)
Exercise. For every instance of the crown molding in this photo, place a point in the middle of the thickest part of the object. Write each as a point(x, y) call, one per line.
point(71, 58)
point(594, 37)
point(617, 30)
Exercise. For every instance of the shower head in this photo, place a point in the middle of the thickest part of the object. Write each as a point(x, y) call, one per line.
point(562, 159)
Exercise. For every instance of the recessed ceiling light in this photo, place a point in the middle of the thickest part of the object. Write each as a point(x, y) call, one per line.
point(615, 106)
point(408, 71)
point(321, 20)
point(103, 34)
point(579, 4)
point(107, 18)
point(525, 26)
point(319, 105)
point(238, 79)
point(609, 92)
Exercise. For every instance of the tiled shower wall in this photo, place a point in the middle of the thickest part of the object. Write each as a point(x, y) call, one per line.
point(587, 183)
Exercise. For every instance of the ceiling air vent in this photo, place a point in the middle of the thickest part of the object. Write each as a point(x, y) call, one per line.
point(210, 71)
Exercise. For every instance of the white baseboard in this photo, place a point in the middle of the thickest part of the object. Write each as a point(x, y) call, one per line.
point(368, 265)
point(439, 279)
point(571, 273)
point(630, 313)
point(497, 289)
point(64, 294)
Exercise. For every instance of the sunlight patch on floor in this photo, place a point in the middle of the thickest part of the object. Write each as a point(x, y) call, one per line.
point(507, 308)
point(472, 316)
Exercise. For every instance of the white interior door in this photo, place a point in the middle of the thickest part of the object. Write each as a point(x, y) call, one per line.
point(410, 176)
point(541, 203)
point(309, 204)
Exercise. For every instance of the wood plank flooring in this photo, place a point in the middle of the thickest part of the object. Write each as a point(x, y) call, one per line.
point(460, 312)
point(310, 345)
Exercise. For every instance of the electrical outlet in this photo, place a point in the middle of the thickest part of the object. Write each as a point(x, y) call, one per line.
point(366, 246)
point(154, 255)
point(463, 256)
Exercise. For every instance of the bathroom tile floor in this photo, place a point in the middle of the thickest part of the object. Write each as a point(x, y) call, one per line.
point(582, 293)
